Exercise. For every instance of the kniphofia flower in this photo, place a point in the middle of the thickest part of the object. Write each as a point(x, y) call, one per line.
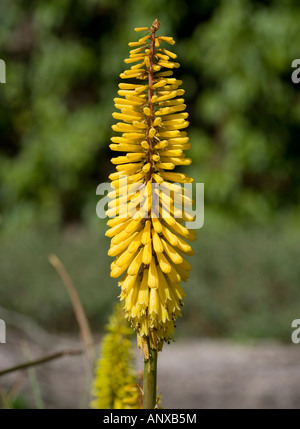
point(115, 384)
point(150, 246)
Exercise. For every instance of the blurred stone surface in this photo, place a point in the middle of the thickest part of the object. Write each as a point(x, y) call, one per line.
point(192, 374)
point(220, 374)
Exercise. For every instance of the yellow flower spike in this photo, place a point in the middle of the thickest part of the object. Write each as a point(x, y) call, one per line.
point(115, 383)
point(149, 245)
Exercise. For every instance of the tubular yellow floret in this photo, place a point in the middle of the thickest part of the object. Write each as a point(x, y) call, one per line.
point(149, 244)
point(141, 29)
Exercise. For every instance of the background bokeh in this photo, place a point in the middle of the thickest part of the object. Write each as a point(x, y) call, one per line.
point(63, 63)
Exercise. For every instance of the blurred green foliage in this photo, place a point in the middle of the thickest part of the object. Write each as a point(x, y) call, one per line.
point(247, 145)
point(12, 402)
point(63, 62)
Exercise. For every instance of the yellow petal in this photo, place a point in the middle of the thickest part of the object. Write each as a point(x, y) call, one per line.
point(132, 296)
point(184, 247)
point(153, 277)
point(169, 40)
point(177, 290)
point(117, 271)
point(153, 302)
point(157, 225)
point(163, 288)
point(146, 236)
point(129, 283)
point(117, 228)
point(141, 29)
point(125, 258)
point(143, 296)
point(169, 236)
point(164, 264)
point(171, 253)
point(135, 243)
point(147, 254)
point(135, 264)
point(118, 248)
point(157, 244)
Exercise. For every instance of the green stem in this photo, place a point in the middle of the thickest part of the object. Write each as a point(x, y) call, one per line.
point(150, 376)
